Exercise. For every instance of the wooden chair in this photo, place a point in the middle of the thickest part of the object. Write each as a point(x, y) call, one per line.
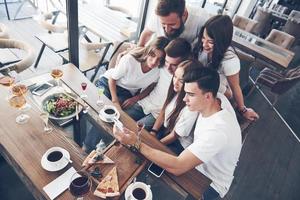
point(278, 83)
point(244, 23)
point(22, 64)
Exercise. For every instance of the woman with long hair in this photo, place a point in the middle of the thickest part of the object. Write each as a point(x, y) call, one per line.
point(135, 71)
point(170, 124)
point(214, 50)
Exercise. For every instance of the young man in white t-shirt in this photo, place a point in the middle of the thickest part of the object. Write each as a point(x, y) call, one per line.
point(147, 109)
point(172, 19)
point(217, 136)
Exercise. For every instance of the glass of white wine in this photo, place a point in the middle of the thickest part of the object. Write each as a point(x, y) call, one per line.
point(100, 91)
point(57, 74)
point(45, 117)
point(19, 102)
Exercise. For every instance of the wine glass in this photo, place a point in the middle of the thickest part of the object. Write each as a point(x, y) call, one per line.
point(57, 74)
point(10, 81)
point(19, 102)
point(21, 90)
point(45, 117)
point(83, 87)
point(80, 184)
point(140, 126)
point(100, 91)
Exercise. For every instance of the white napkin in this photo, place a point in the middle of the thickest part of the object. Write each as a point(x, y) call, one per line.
point(60, 184)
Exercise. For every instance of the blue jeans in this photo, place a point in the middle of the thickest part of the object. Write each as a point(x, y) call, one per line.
point(136, 112)
point(122, 93)
point(210, 194)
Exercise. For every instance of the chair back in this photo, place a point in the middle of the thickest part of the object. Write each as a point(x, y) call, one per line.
point(244, 23)
point(119, 47)
point(264, 18)
point(290, 78)
point(23, 64)
point(280, 38)
point(294, 14)
point(3, 32)
point(292, 27)
point(47, 21)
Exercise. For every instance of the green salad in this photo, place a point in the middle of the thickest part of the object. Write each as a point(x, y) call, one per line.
point(60, 105)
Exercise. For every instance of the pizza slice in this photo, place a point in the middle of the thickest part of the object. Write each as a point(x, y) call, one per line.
point(91, 159)
point(109, 186)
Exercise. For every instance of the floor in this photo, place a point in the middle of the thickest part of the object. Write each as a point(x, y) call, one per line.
point(270, 158)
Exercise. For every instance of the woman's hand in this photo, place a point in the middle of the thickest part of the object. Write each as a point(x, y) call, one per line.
point(129, 102)
point(250, 114)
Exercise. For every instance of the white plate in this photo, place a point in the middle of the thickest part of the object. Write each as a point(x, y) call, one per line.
point(53, 168)
point(107, 120)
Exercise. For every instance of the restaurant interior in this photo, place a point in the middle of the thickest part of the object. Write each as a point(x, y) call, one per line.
point(40, 49)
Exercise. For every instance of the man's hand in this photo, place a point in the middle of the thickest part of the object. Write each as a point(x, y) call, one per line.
point(129, 102)
point(250, 114)
point(126, 137)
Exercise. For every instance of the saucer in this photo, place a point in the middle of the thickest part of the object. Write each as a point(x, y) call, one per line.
point(50, 167)
point(127, 193)
point(108, 120)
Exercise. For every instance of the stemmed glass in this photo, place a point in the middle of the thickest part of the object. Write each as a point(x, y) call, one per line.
point(140, 125)
point(80, 184)
point(19, 102)
point(21, 90)
point(10, 82)
point(57, 74)
point(100, 93)
point(83, 87)
point(45, 117)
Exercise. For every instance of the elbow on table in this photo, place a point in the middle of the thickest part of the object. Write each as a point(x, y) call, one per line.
point(176, 171)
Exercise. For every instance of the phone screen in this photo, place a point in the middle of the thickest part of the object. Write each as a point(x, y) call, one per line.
point(40, 90)
point(156, 170)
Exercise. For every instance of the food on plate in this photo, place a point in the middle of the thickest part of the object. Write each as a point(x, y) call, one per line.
point(91, 159)
point(109, 186)
point(60, 105)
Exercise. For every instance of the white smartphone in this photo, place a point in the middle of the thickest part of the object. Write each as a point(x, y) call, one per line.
point(155, 170)
point(42, 89)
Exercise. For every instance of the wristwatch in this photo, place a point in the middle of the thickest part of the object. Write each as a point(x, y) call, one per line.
point(137, 145)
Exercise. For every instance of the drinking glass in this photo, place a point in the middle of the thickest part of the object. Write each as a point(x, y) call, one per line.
point(19, 102)
point(9, 84)
point(21, 90)
point(100, 93)
point(80, 184)
point(83, 87)
point(140, 125)
point(45, 117)
point(57, 74)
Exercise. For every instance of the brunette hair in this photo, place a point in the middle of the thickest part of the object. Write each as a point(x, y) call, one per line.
point(180, 104)
point(220, 29)
point(179, 47)
point(207, 79)
point(141, 53)
point(166, 7)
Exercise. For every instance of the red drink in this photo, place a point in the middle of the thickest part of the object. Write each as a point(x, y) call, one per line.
point(83, 86)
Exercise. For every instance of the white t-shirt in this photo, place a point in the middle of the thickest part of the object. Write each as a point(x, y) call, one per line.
point(217, 142)
point(129, 75)
point(229, 65)
point(169, 109)
point(155, 100)
point(192, 26)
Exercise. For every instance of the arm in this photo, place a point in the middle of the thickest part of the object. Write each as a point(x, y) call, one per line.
point(168, 139)
point(145, 37)
point(113, 90)
point(234, 83)
point(174, 164)
point(129, 102)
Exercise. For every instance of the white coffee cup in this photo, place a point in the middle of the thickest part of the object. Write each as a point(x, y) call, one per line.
point(109, 112)
point(55, 157)
point(138, 191)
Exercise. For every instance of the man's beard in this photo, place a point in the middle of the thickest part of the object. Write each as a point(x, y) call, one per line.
point(176, 32)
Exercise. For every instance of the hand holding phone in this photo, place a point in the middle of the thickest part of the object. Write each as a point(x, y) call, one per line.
point(155, 170)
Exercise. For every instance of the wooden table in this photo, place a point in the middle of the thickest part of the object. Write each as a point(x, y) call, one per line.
point(272, 54)
point(23, 146)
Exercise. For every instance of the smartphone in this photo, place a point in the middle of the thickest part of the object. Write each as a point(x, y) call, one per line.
point(155, 170)
point(42, 89)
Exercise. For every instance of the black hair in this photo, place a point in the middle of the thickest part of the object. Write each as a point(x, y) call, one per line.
point(166, 7)
point(179, 47)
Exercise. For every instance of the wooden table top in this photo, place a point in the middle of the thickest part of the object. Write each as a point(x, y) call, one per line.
point(24, 145)
point(262, 49)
